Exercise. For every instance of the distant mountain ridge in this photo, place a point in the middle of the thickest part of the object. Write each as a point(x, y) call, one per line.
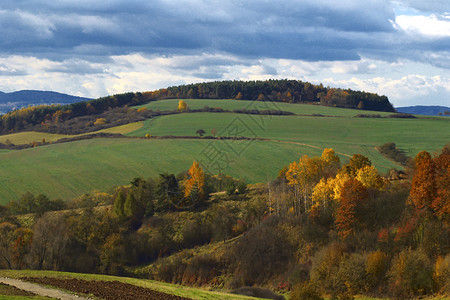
point(425, 110)
point(24, 98)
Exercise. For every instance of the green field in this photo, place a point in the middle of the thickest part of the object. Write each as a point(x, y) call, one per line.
point(179, 290)
point(230, 104)
point(72, 169)
point(28, 137)
point(345, 135)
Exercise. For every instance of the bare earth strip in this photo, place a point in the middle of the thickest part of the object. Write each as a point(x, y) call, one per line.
point(40, 290)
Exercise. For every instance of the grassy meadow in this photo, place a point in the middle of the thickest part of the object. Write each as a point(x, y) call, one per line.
point(72, 169)
point(230, 104)
point(28, 137)
point(346, 135)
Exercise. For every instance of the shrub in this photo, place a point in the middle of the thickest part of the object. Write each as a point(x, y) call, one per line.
point(411, 274)
point(376, 267)
point(324, 271)
point(261, 253)
point(196, 232)
point(402, 115)
point(257, 292)
point(201, 270)
point(100, 121)
point(352, 273)
point(305, 291)
point(231, 189)
point(442, 274)
point(242, 187)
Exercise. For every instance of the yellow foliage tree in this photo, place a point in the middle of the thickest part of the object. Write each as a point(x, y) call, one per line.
point(322, 195)
point(194, 184)
point(369, 177)
point(303, 176)
point(182, 106)
point(330, 162)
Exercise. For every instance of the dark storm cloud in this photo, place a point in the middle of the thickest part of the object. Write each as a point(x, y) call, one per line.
point(292, 29)
point(318, 30)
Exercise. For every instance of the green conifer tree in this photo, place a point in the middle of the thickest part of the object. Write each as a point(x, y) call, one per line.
point(119, 204)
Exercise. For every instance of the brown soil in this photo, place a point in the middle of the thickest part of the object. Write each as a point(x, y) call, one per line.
point(9, 290)
point(104, 289)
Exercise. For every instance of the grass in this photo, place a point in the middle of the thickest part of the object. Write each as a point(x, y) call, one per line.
point(32, 136)
point(183, 291)
point(344, 134)
point(71, 169)
point(230, 104)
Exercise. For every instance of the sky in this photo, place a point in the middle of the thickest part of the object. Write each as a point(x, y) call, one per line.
point(399, 48)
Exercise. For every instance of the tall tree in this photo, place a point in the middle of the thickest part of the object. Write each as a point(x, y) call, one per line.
point(423, 188)
point(353, 195)
point(130, 205)
point(194, 184)
point(6, 242)
point(119, 203)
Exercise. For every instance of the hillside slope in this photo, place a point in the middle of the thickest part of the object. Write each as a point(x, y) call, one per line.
point(24, 98)
point(425, 110)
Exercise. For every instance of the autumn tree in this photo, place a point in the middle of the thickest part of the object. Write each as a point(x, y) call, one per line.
point(305, 174)
point(441, 202)
point(50, 242)
point(21, 246)
point(423, 188)
point(6, 242)
point(430, 188)
point(356, 162)
point(194, 184)
point(353, 195)
point(214, 132)
point(182, 106)
point(261, 97)
point(370, 178)
point(330, 162)
point(322, 197)
point(238, 96)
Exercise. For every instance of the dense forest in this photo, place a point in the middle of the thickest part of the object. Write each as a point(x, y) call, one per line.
point(291, 91)
point(48, 117)
point(322, 228)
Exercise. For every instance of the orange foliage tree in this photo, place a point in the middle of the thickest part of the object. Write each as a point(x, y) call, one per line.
point(441, 202)
point(430, 190)
point(194, 184)
point(353, 195)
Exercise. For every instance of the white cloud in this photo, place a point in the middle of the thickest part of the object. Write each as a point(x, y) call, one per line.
point(429, 26)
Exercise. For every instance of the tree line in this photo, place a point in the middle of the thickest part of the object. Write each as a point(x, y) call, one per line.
point(290, 91)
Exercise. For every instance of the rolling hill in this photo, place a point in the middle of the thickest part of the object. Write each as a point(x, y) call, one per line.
point(25, 98)
point(425, 110)
point(71, 169)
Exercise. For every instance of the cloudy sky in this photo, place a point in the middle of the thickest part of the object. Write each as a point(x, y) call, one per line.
point(95, 48)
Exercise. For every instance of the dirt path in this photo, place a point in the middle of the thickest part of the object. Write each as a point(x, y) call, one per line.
point(302, 144)
point(40, 290)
